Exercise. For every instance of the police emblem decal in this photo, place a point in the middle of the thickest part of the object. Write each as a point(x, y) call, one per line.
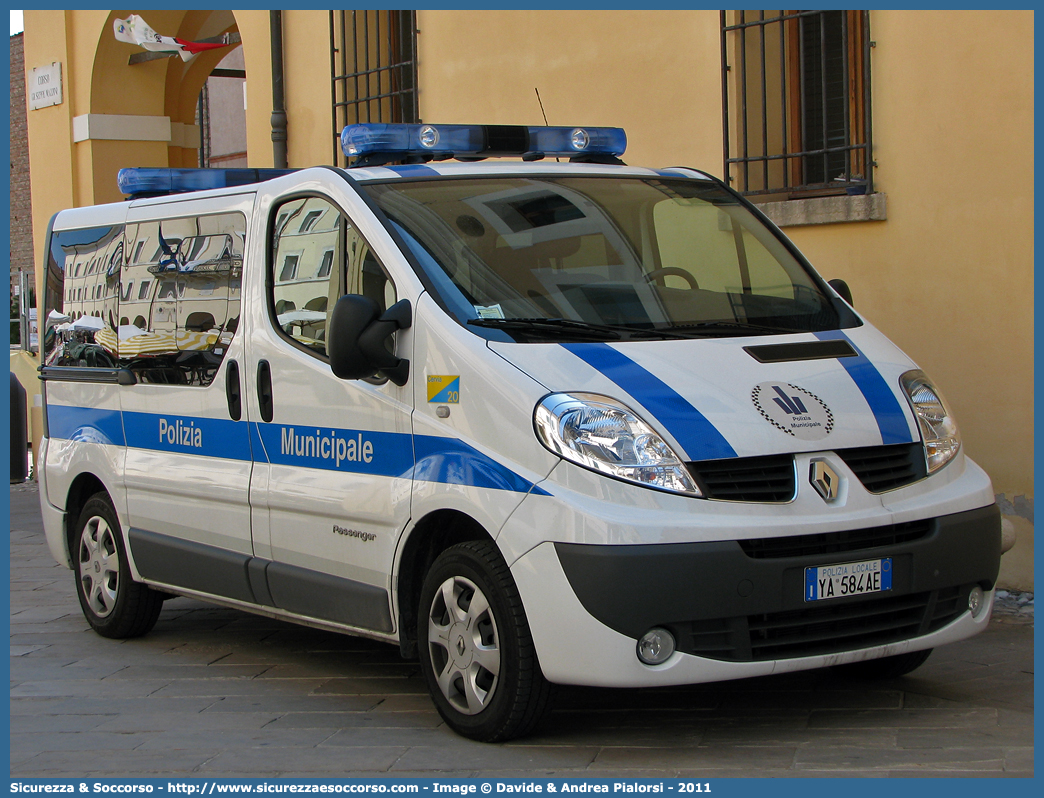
point(793, 410)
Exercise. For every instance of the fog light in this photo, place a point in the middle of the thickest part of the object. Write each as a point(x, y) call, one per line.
point(976, 601)
point(656, 646)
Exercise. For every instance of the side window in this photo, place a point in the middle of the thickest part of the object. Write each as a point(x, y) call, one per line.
point(182, 296)
point(82, 302)
point(317, 256)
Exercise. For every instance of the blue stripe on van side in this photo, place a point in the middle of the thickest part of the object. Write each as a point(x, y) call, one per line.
point(257, 447)
point(207, 437)
point(882, 401)
point(453, 462)
point(387, 454)
point(697, 436)
point(90, 425)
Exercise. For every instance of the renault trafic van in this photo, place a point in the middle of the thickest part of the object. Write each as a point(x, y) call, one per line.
point(548, 420)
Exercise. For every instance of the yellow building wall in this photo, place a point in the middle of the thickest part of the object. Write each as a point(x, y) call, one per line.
point(949, 276)
point(306, 87)
point(257, 38)
point(306, 37)
point(96, 79)
point(54, 180)
point(656, 74)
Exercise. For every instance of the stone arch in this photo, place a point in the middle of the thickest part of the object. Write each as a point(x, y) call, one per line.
point(186, 79)
point(154, 92)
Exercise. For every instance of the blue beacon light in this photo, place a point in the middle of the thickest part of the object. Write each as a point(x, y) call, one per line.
point(375, 144)
point(153, 182)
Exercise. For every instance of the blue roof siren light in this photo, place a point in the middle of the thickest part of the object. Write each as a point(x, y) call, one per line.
point(157, 182)
point(429, 136)
point(377, 144)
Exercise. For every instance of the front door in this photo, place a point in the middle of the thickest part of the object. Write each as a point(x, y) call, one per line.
point(333, 458)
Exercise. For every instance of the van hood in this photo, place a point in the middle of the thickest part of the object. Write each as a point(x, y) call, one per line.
point(716, 398)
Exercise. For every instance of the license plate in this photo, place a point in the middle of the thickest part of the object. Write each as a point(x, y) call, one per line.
point(848, 579)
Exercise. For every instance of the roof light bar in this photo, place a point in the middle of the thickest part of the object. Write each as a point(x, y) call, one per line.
point(375, 144)
point(149, 182)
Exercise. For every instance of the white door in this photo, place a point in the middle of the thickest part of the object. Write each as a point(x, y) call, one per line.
point(188, 448)
point(333, 460)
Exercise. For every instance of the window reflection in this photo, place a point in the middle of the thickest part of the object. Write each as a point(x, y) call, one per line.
point(318, 256)
point(167, 313)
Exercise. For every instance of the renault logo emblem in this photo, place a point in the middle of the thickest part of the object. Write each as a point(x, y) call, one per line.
point(825, 480)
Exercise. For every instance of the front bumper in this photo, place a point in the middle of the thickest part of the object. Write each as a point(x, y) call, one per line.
point(735, 615)
point(741, 602)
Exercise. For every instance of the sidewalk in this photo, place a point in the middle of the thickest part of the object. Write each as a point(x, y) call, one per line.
point(213, 692)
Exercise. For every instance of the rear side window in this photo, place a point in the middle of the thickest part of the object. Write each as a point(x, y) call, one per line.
point(82, 307)
point(177, 326)
point(160, 298)
point(317, 256)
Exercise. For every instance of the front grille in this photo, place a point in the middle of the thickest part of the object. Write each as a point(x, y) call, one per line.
point(827, 629)
point(882, 468)
point(836, 542)
point(746, 479)
point(771, 478)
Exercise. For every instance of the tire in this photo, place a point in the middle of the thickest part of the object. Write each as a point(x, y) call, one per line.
point(475, 647)
point(885, 667)
point(114, 605)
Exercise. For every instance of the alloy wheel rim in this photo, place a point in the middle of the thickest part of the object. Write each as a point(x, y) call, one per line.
point(99, 566)
point(464, 645)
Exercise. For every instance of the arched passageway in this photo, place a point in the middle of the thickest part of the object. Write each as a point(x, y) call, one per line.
point(152, 109)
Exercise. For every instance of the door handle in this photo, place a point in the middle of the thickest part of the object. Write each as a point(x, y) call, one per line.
point(264, 389)
point(232, 391)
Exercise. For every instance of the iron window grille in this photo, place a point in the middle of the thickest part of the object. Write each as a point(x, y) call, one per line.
point(373, 64)
point(796, 102)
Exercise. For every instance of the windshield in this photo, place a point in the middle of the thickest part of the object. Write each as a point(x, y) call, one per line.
point(594, 258)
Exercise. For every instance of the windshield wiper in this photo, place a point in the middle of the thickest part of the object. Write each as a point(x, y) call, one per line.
point(731, 326)
point(574, 327)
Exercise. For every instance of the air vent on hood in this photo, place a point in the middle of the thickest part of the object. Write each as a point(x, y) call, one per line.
point(808, 350)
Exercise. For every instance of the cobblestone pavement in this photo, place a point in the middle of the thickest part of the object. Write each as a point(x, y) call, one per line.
point(214, 692)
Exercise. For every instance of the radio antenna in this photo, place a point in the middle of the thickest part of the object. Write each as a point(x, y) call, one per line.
point(541, 105)
point(542, 112)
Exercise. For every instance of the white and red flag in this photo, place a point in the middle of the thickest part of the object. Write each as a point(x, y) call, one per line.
point(134, 30)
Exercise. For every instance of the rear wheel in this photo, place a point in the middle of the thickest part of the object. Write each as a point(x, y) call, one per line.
point(113, 604)
point(885, 667)
point(475, 648)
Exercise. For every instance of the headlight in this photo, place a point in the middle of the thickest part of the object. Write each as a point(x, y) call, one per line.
point(938, 428)
point(599, 433)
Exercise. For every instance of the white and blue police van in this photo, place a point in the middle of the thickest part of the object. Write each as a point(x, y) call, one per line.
point(548, 419)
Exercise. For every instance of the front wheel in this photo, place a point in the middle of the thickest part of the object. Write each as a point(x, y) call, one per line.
point(113, 604)
point(476, 650)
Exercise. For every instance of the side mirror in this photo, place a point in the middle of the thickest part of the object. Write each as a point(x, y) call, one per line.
point(355, 340)
point(842, 289)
